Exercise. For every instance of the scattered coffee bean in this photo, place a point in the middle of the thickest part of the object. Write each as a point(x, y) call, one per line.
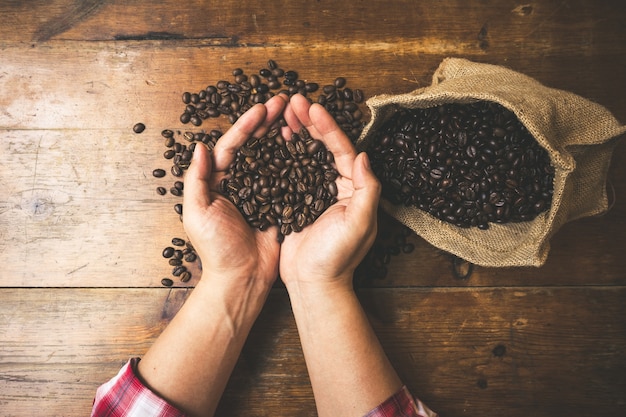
point(175, 262)
point(178, 270)
point(167, 282)
point(161, 190)
point(158, 173)
point(139, 127)
point(185, 276)
point(168, 252)
point(178, 241)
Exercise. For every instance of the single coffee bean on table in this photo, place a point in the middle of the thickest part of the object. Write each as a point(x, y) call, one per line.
point(139, 127)
point(466, 164)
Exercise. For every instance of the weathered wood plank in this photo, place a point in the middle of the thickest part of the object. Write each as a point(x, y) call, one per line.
point(80, 209)
point(73, 85)
point(530, 351)
point(578, 27)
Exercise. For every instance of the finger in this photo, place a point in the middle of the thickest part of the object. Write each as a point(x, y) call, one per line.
point(197, 177)
point(299, 115)
point(227, 146)
point(363, 204)
point(291, 118)
point(274, 107)
point(334, 138)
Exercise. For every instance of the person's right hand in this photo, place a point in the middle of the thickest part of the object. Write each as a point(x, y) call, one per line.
point(328, 251)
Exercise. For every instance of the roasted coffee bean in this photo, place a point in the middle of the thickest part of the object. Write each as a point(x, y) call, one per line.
point(158, 173)
point(139, 127)
point(466, 164)
point(178, 208)
point(185, 117)
point(340, 82)
point(178, 270)
point(168, 252)
point(161, 190)
point(185, 276)
point(175, 262)
point(177, 171)
point(176, 241)
point(167, 282)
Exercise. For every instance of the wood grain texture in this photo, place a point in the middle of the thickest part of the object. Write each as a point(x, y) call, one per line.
point(82, 229)
point(480, 352)
point(73, 85)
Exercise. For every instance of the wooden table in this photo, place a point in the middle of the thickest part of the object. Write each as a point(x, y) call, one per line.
point(82, 229)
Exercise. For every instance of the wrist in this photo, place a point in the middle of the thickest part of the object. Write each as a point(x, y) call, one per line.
point(313, 293)
point(238, 300)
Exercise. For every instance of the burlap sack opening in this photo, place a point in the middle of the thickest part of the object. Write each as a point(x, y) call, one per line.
point(578, 134)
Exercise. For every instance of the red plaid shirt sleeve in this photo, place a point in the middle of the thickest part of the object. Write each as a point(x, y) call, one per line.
point(126, 396)
point(401, 404)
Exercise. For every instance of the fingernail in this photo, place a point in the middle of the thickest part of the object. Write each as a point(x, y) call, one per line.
point(196, 154)
point(366, 161)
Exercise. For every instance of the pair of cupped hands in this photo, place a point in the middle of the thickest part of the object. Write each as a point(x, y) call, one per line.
point(236, 256)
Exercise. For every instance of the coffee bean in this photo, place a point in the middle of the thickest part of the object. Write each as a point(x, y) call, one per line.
point(158, 173)
point(175, 262)
point(139, 127)
point(178, 241)
point(161, 190)
point(168, 252)
point(167, 282)
point(178, 270)
point(185, 276)
point(176, 171)
point(340, 82)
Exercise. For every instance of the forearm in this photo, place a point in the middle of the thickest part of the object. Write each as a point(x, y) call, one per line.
point(191, 361)
point(350, 373)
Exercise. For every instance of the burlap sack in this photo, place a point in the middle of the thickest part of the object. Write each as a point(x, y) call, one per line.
point(578, 134)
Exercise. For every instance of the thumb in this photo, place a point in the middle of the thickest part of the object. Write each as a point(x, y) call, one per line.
point(364, 202)
point(196, 185)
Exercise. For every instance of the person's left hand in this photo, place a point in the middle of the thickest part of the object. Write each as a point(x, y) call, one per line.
point(232, 253)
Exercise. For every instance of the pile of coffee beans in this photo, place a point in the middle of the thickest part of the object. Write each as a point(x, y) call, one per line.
point(284, 183)
point(180, 251)
point(273, 181)
point(466, 164)
point(231, 99)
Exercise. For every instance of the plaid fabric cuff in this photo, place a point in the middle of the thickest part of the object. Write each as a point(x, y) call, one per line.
point(125, 395)
point(401, 404)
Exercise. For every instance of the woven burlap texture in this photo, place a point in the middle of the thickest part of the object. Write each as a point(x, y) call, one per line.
point(579, 135)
